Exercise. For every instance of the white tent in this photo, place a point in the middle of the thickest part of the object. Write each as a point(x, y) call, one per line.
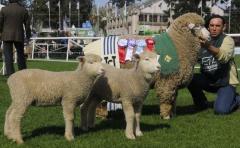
point(1, 6)
point(217, 10)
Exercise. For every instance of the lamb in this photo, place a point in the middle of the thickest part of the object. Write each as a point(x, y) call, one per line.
point(41, 87)
point(185, 32)
point(128, 86)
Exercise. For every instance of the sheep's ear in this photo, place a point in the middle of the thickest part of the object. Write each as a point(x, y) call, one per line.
point(158, 57)
point(81, 59)
point(191, 26)
point(136, 57)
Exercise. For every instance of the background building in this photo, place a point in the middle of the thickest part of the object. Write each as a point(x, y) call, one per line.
point(137, 18)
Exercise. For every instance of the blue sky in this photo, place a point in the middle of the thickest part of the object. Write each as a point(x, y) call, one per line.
point(101, 2)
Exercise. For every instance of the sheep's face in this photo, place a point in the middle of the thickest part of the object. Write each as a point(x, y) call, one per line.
point(149, 62)
point(91, 64)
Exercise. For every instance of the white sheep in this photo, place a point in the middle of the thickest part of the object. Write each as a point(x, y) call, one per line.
point(127, 86)
point(41, 87)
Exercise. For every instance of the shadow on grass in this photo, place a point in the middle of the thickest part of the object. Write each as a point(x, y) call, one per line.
point(180, 110)
point(116, 120)
point(103, 125)
point(150, 110)
point(121, 124)
point(52, 130)
point(191, 109)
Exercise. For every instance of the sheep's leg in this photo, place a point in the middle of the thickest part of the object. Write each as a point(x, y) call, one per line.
point(68, 113)
point(138, 110)
point(7, 127)
point(92, 113)
point(15, 115)
point(129, 117)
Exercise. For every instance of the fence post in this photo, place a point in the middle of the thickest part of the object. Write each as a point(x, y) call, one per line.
point(47, 51)
point(68, 49)
point(33, 48)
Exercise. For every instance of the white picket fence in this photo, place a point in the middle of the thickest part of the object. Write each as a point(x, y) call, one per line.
point(53, 45)
point(47, 45)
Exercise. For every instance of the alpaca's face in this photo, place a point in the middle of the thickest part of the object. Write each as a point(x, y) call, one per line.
point(199, 31)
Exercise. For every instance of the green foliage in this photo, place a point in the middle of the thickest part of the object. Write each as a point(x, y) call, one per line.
point(43, 127)
point(148, 32)
point(183, 6)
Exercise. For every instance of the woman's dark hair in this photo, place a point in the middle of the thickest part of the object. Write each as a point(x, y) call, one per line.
point(215, 16)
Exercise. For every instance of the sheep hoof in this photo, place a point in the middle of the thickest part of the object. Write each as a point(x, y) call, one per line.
point(19, 141)
point(91, 125)
point(69, 137)
point(130, 136)
point(7, 134)
point(166, 117)
point(139, 133)
point(84, 128)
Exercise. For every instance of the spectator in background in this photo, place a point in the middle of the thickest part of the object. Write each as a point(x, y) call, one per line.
point(13, 19)
point(34, 34)
point(150, 44)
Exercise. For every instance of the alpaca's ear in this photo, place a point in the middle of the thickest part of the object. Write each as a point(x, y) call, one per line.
point(191, 26)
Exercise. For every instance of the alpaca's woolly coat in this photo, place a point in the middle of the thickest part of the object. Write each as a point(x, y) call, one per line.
point(187, 46)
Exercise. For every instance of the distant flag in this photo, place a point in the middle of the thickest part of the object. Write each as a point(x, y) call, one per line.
point(229, 4)
point(59, 14)
point(65, 26)
point(125, 8)
point(78, 5)
point(69, 4)
point(97, 10)
point(200, 4)
point(58, 4)
point(224, 4)
point(49, 16)
point(115, 10)
point(48, 4)
point(107, 10)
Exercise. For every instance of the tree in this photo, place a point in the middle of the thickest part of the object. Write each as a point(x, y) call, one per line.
point(183, 6)
point(235, 16)
point(180, 7)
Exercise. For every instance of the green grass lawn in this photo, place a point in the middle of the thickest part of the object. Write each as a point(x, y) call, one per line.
point(44, 126)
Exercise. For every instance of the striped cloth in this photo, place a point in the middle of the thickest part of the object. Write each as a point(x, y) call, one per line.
point(110, 50)
point(110, 56)
point(110, 45)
